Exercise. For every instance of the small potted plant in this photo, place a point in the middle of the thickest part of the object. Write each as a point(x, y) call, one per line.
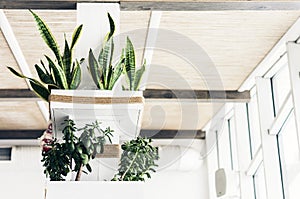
point(72, 153)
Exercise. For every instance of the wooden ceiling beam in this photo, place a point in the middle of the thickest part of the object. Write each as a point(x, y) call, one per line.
point(18, 95)
point(21, 134)
point(158, 94)
point(173, 134)
point(170, 5)
point(153, 134)
point(199, 95)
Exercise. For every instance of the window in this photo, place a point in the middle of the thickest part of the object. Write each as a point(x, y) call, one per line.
point(227, 146)
point(281, 87)
point(5, 154)
point(290, 162)
point(259, 183)
point(254, 126)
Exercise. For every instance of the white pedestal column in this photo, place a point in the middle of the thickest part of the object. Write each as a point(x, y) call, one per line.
point(95, 22)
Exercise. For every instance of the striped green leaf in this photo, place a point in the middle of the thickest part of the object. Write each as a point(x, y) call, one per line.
point(76, 35)
point(111, 26)
point(58, 73)
point(105, 59)
point(76, 76)
point(116, 74)
point(48, 37)
point(130, 62)
point(94, 69)
point(138, 76)
point(40, 90)
point(44, 77)
point(67, 61)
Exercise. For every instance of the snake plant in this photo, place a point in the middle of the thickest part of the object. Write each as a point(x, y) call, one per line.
point(63, 73)
point(103, 73)
point(133, 76)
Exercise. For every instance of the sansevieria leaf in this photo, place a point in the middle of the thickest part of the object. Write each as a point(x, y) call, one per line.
point(94, 69)
point(67, 61)
point(130, 62)
point(59, 74)
point(116, 74)
point(40, 90)
point(76, 74)
point(111, 25)
point(105, 59)
point(138, 76)
point(45, 78)
point(48, 37)
point(75, 36)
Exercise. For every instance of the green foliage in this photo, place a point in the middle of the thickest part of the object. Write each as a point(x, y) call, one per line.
point(63, 73)
point(137, 160)
point(58, 160)
point(103, 73)
point(133, 76)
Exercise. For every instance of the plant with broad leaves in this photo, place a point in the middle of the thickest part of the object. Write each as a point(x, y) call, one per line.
point(63, 73)
point(133, 76)
point(59, 158)
point(137, 160)
point(103, 73)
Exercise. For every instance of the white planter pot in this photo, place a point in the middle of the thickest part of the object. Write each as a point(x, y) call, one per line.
point(121, 110)
point(100, 189)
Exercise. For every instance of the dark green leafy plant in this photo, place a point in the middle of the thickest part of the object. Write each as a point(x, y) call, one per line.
point(59, 159)
point(133, 76)
point(103, 73)
point(63, 73)
point(137, 160)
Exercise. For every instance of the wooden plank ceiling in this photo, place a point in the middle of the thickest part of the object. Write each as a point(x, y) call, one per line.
point(236, 41)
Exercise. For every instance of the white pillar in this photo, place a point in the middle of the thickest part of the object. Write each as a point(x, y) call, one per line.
point(269, 143)
point(95, 22)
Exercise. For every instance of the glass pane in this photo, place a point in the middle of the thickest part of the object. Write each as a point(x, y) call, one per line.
point(289, 151)
point(5, 154)
point(233, 144)
point(259, 181)
point(254, 124)
point(281, 86)
point(224, 147)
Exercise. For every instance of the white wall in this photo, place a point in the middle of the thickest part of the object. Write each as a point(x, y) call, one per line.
point(23, 178)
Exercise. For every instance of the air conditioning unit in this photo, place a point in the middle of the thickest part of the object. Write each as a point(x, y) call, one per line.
point(227, 183)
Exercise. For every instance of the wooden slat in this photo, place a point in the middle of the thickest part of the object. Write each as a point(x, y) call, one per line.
point(96, 100)
point(20, 134)
point(199, 95)
point(110, 151)
point(202, 95)
point(17, 95)
point(173, 5)
point(209, 6)
point(173, 134)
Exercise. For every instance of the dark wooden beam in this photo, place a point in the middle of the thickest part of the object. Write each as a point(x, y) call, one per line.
point(199, 95)
point(17, 95)
point(208, 6)
point(154, 134)
point(156, 5)
point(173, 134)
point(20, 134)
point(41, 4)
